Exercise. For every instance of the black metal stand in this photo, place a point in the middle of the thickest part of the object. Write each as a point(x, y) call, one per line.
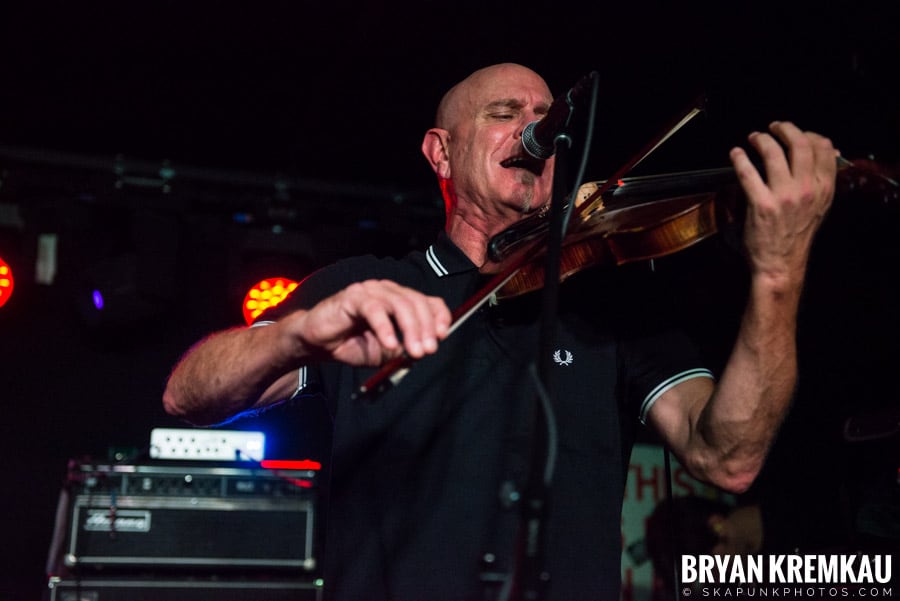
point(530, 576)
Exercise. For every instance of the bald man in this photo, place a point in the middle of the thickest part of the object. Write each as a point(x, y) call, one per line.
point(425, 479)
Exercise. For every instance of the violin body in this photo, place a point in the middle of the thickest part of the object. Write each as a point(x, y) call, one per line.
point(636, 220)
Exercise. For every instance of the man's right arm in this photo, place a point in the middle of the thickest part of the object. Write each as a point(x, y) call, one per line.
point(241, 369)
point(230, 372)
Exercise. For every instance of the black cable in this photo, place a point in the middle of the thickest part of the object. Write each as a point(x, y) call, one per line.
point(588, 137)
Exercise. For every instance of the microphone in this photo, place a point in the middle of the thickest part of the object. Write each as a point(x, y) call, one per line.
point(539, 137)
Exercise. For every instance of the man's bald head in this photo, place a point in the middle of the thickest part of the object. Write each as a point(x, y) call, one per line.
point(462, 99)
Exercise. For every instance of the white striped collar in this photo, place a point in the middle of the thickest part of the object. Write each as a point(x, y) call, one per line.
point(435, 263)
point(445, 258)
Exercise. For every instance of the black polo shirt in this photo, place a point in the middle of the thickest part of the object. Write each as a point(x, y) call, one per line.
point(419, 504)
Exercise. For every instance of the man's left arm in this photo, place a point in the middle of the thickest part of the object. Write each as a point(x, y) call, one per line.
point(722, 431)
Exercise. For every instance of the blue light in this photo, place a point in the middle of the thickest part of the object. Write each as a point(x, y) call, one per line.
point(98, 299)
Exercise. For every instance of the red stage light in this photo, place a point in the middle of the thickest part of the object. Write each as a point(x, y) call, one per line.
point(7, 282)
point(264, 295)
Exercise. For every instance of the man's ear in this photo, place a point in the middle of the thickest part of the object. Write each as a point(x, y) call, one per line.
point(435, 147)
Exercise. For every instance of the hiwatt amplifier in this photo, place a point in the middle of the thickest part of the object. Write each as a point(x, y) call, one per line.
point(121, 517)
point(181, 589)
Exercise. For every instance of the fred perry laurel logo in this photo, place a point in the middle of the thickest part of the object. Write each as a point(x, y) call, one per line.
point(558, 357)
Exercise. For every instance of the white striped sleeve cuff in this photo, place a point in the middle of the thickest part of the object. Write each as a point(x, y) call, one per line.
point(668, 384)
point(301, 373)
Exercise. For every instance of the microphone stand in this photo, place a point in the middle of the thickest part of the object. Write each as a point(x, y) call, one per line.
point(530, 577)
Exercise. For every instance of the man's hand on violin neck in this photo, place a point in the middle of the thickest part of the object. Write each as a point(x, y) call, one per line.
point(786, 203)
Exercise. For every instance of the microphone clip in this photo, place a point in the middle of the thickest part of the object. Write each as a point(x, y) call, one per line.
point(540, 138)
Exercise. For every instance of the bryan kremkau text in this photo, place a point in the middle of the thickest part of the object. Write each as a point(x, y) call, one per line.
point(781, 569)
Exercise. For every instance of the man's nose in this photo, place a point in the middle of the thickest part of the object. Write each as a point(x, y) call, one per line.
point(520, 127)
point(523, 122)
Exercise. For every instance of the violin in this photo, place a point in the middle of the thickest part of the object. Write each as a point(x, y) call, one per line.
point(632, 219)
point(624, 220)
point(644, 218)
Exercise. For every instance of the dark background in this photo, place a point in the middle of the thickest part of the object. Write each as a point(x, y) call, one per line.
point(183, 150)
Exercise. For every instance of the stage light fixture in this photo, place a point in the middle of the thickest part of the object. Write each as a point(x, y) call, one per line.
point(264, 295)
point(7, 282)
